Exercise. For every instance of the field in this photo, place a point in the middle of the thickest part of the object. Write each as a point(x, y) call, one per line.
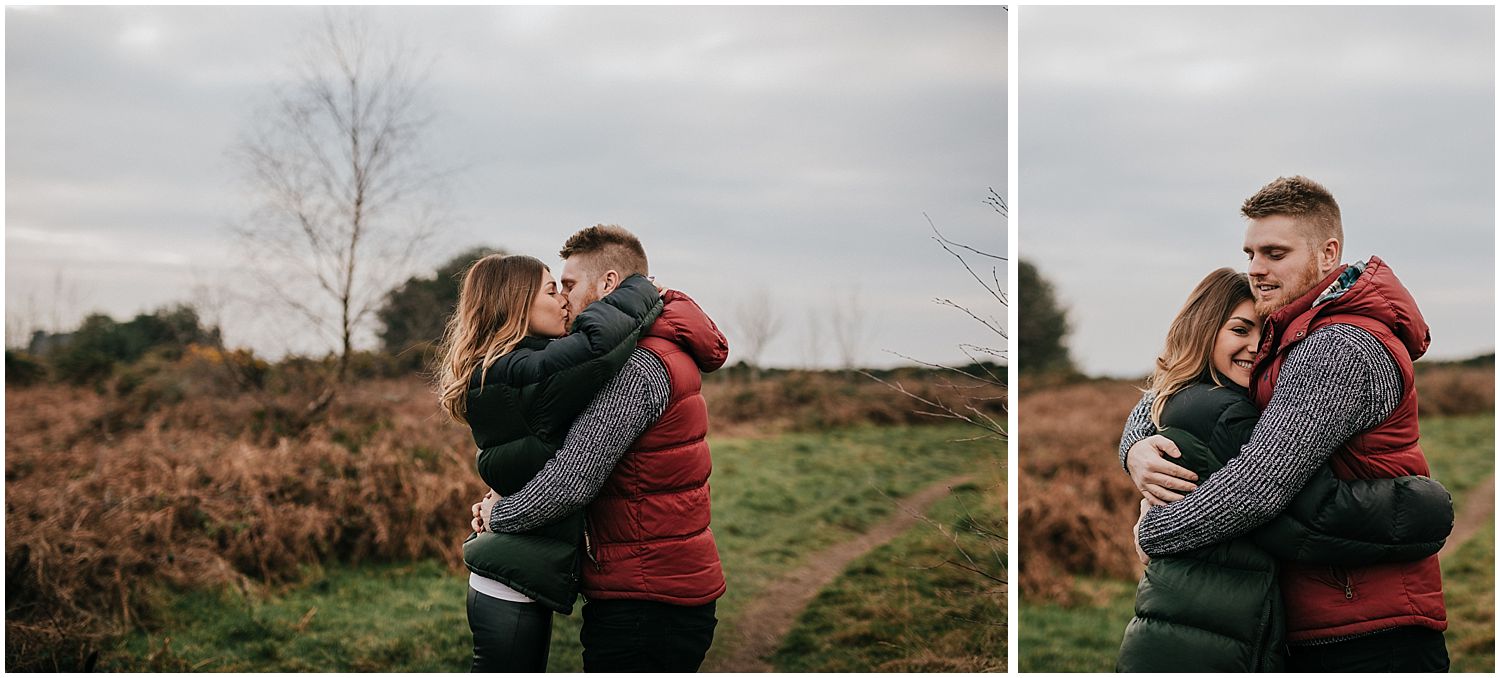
point(1078, 571)
point(223, 551)
point(900, 609)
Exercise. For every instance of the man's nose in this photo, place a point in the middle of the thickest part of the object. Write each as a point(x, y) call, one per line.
point(1257, 266)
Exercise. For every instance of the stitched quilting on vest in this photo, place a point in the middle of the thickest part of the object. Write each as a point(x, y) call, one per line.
point(650, 522)
point(1328, 602)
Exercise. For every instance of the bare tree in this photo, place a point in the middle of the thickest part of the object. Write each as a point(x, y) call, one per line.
point(850, 327)
point(758, 322)
point(981, 375)
point(812, 339)
point(22, 318)
point(35, 313)
point(341, 186)
point(964, 398)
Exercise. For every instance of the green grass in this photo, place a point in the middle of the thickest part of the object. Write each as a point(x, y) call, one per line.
point(405, 617)
point(899, 608)
point(1460, 451)
point(776, 500)
point(1075, 639)
point(1468, 578)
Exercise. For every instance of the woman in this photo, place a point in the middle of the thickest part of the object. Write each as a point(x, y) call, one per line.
point(507, 374)
point(1218, 608)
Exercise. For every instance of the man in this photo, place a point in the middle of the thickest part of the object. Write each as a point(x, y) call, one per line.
point(1334, 381)
point(637, 457)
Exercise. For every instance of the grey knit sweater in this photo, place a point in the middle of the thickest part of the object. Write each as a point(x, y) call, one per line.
point(1337, 382)
point(621, 411)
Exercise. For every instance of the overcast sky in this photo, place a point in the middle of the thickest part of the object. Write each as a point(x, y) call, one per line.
point(788, 148)
point(1142, 130)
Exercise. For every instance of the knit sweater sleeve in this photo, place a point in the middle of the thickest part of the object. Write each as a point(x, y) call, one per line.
point(1138, 426)
point(1339, 381)
point(627, 405)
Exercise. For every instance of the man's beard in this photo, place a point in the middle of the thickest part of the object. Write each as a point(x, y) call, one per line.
point(1289, 291)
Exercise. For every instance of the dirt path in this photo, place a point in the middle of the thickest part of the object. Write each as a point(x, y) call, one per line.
point(1477, 512)
point(760, 627)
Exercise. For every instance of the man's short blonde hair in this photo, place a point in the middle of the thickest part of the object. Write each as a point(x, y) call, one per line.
point(1303, 199)
point(608, 247)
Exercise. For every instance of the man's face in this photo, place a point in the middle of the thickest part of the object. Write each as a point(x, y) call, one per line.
point(577, 282)
point(1283, 264)
point(583, 283)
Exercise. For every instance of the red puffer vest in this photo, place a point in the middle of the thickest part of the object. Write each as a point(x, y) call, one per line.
point(649, 525)
point(1325, 602)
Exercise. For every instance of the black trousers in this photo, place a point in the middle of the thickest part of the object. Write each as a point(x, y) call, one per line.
point(645, 636)
point(508, 637)
point(1408, 649)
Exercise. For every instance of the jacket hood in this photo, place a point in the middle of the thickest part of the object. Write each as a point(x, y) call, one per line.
point(684, 323)
point(1371, 290)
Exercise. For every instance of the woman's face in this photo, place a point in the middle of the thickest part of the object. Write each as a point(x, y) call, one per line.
point(549, 310)
point(1234, 347)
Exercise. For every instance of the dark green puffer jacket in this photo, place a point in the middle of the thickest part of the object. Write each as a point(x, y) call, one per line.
point(520, 417)
point(1219, 608)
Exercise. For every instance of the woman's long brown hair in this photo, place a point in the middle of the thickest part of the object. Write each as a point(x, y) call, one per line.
point(493, 314)
point(1190, 339)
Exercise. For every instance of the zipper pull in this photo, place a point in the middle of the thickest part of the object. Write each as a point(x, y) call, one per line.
point(1348, 592)
point(588, 547)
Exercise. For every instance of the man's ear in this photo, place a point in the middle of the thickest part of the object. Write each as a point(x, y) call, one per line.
point(608, 281)
point(1330, 255)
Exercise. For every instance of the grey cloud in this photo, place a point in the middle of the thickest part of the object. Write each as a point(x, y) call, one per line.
point(1142, 130)
point(794, 148)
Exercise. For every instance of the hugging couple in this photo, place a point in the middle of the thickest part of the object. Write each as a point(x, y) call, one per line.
point(584, 401)
point(1287, 522)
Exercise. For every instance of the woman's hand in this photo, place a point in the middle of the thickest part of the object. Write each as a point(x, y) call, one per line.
point(475, 523)
point(1136, 534)
point(481, 512)
point(659, 288)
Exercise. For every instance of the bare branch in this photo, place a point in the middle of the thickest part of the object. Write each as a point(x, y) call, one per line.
point(336, 167)
point(947, 368)
point(944, 242)
point(997, 203)
point(949, 243)
point(992, 325)
point(976, 418)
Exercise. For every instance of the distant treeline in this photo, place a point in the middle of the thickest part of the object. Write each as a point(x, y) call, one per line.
point(410, 318)
point(101, 350)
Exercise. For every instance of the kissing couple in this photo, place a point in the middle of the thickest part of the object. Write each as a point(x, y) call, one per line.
point(583, 396)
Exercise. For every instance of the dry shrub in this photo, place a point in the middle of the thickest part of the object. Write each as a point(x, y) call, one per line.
point(811, 401)
point(167, 477)
point(98, 518)
point(930, 661)
point(1077, 504)
point(1452, 389)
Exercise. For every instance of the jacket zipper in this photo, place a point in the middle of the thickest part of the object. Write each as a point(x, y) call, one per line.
point(1345, 580)
point(1347, 583)
point(588, 547)
point(1340, 639)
